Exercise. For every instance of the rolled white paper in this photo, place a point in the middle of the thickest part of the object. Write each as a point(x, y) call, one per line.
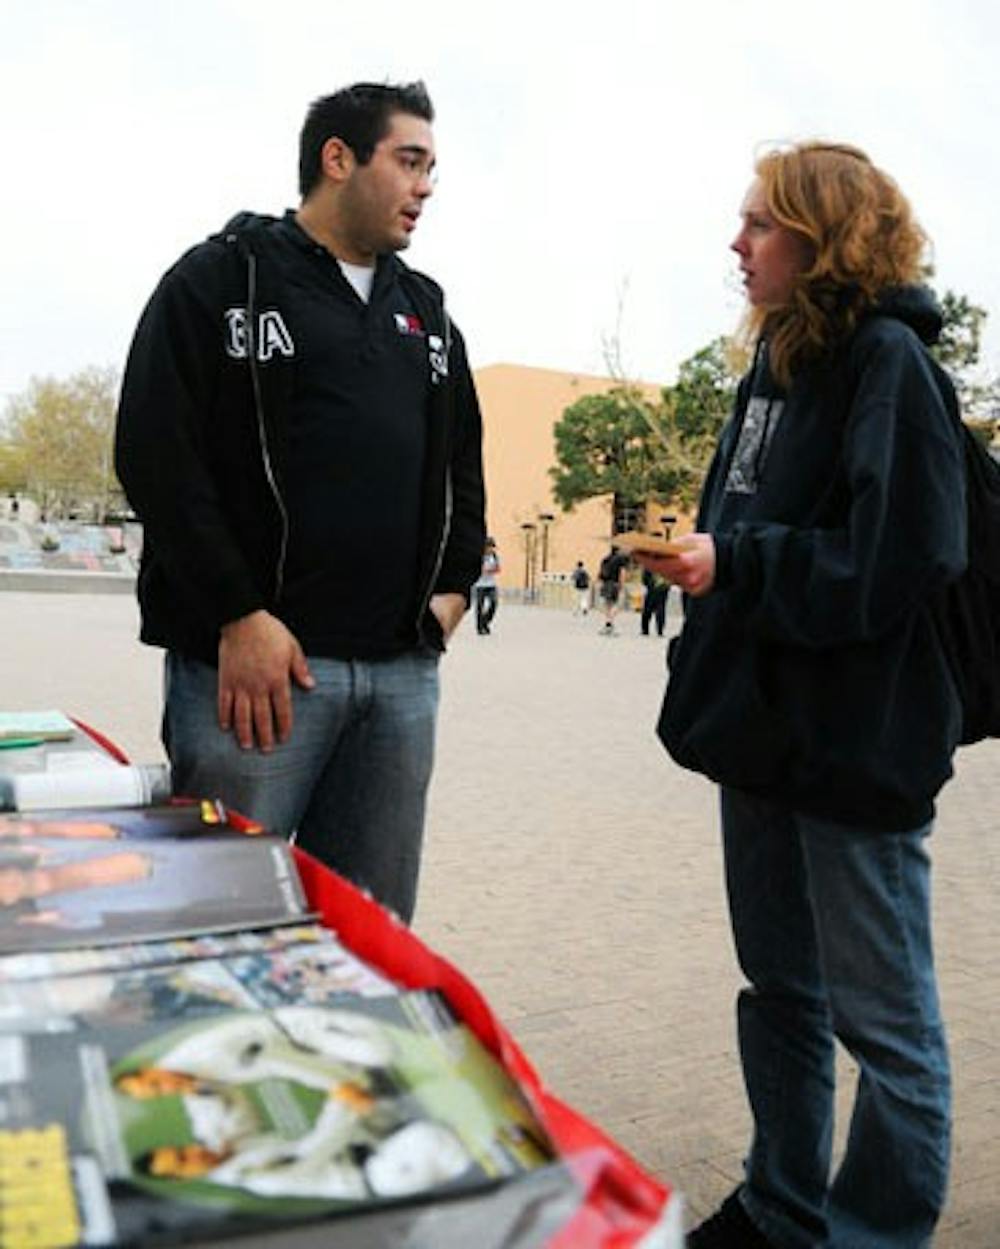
point(136, 785)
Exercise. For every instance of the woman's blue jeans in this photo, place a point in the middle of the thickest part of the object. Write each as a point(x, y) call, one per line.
point(833, 932)
point(351, 781)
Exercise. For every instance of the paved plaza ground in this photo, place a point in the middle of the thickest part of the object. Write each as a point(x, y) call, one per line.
point(574, 874)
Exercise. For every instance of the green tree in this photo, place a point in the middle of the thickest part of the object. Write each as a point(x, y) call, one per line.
point(702, 400)
point(13, 472)
point(609, 444)
point(958, 350)
point(60, 433)
point(629, 445)
point(959, 345)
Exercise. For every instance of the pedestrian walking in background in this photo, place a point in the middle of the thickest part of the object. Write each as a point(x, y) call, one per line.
point(581, 584)
point(809, 681)
point(299, 434)
point(654, 602)
point(611, 577)
point(486, 588)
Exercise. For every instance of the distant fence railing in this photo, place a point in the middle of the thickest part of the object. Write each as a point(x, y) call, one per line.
point(556, 589)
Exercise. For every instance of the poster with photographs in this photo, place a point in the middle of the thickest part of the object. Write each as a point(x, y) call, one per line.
point(252, 1120)
point(317, 970)
point(103, 876)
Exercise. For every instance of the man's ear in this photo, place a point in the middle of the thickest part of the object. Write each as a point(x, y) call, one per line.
point(336, 159)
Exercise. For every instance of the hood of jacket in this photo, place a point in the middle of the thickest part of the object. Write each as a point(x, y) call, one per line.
point(245, 226)
point(915, 306)
point(244, 223)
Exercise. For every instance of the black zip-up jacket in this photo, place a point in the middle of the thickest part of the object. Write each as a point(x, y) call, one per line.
point(812, 675)
point(201, 445)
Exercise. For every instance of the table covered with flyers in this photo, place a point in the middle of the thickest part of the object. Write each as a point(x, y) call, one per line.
point(205, 1034)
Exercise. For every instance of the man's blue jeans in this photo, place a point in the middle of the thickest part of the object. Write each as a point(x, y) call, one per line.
point(832, 930)
point(351, 781)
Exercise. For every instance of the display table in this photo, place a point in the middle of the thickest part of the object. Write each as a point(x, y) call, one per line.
point(593, 1195)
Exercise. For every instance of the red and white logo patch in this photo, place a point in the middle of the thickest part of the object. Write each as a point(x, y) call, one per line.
point(407, 323)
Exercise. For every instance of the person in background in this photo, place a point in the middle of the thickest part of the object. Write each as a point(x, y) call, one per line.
point(299, 434)
point(809, 682)
point(611, 577)
point(654, 602)
point(581, 584)
point(486, 588)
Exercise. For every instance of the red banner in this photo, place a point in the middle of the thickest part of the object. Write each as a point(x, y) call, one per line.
point(620, 1203)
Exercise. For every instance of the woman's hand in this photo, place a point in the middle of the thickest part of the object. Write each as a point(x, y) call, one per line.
point(692, 568)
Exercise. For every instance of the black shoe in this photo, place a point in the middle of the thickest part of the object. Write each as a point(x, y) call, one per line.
point(728, 1228)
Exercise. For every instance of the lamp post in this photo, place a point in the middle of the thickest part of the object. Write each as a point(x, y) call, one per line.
point(667, 522)
point(545, 519)
point(528, 529)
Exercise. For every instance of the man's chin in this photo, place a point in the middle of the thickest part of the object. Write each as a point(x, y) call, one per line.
point(394, 241)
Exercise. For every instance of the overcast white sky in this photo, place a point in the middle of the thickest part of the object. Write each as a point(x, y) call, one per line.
point(585, 149)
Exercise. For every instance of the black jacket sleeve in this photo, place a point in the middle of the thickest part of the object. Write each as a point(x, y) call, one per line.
point(903, 533)
point(462, 558)
point(162, 453)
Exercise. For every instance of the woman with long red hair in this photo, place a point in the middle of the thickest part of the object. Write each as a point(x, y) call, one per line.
point(810, 683)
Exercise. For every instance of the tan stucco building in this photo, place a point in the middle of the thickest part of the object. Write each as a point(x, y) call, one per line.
point(521, 407)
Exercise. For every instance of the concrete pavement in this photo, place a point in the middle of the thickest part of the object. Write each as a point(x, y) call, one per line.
point(574, 874)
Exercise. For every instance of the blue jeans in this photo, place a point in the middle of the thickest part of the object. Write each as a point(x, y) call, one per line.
point(832, 930)
point(351, 781)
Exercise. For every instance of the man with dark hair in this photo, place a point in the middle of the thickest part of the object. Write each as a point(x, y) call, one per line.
point(299, 434)
point(360, 115)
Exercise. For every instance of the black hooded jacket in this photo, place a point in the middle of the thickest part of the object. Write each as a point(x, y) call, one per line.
point(202, 443)
point(812, 674)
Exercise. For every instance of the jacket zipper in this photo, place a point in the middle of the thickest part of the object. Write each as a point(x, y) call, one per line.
point(446, 523)
point(279, 572)
point(439, 558)
point(269, 468)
